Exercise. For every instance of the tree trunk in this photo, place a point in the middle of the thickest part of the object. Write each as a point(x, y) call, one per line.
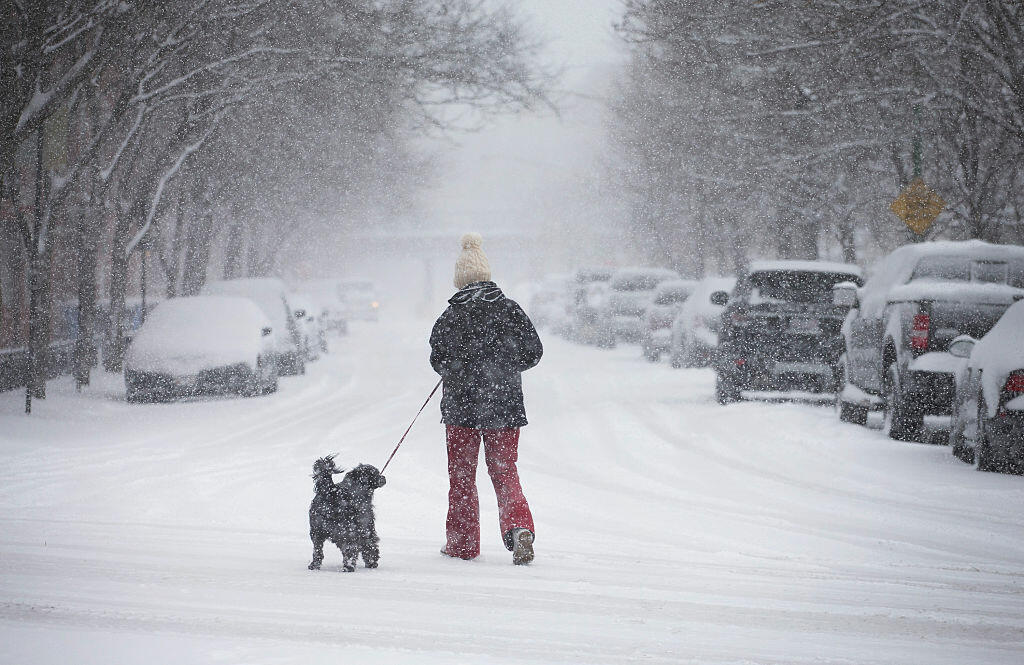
point(88, 250)
point(197, 254)
point(233, 251)
point(113, 357)
point(40, 254)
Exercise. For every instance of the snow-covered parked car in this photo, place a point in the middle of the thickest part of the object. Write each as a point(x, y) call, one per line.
point(270, 296)
point(988, 412)
point(631, 291)
point(695, 328)
point(896, 338)
point(780, 329)
point(587, 291)
point(549, 303)
point(304, 311)
point(333, 312)
point(669, 297)
point(590, 322)
point(201, 345)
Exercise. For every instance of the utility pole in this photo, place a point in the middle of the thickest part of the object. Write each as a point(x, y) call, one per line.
point(916, 150)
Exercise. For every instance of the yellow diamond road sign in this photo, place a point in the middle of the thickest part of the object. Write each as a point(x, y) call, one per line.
point(918, 206)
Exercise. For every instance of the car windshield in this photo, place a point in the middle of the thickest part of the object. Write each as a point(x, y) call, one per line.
point(672, 296)
point(968, 269)
point(796, 286)
point(637, 282)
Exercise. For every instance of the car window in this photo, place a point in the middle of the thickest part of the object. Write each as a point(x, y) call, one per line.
point(966, 269)
point(794, 286)
point(945, 268)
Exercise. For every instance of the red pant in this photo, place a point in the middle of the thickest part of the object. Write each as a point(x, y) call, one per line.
point(501, 450)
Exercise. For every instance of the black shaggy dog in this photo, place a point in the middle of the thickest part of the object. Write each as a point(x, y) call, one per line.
point(343, 513)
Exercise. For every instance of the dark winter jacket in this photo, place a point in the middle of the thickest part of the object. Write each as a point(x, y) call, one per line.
point(479, 346)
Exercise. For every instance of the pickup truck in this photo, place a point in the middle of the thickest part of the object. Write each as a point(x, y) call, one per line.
point(896, 336)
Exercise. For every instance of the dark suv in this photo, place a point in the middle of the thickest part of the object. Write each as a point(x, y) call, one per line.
point(919, 298)
point(780, 330)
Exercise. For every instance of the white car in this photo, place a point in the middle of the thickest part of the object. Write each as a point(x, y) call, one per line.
point(695, 328)
point(631, 291)
point(361, 299)
point(201, 345)
point(549, 305)
point(327, 293)
point(270, 295)
point(988, 409)
point(305, 311)
point(669, 297)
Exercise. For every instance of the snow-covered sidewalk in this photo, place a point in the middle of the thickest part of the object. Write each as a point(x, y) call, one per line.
point(669, 529)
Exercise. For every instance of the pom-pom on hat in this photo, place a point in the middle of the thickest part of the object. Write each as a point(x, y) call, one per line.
point(472, 265)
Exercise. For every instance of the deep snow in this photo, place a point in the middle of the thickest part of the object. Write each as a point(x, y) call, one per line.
point(670, 529)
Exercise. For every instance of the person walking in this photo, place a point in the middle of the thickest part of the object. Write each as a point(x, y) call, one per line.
point(480, 346)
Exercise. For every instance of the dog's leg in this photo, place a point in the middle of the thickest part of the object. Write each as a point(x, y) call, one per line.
point(350, 556)
point(318, 550)
point(371, 554)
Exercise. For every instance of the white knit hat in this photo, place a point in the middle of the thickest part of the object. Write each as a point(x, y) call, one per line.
point(472, 265)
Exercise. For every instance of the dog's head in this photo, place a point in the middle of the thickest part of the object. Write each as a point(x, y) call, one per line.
point(366, 476)
point(324, 467)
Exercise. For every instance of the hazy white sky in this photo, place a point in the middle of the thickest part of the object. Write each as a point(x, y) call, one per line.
point(522, 168)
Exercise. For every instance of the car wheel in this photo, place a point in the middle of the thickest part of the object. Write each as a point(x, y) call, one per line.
point(686, 355)
point(726, 390)
point(956, 438)
point(253, 386)
point(902, 422)
point(676, 360)
point(984, 459)
point(852, 413)
point(652, 355)
point(848, 413)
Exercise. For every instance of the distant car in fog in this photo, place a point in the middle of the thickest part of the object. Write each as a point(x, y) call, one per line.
point(631, 290)
point(549, 304)
point(270, 296)
point(332, 312)
point(304, 311)
point(987, 427)
point(591, 323)
point(587, 295)
point(669, 297)
point(780, 329)
point(695, 328)
point(361, 301)
point(201, 345)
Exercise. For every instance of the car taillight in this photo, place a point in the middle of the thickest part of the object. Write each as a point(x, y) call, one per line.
point(738, 319)
point(919, 333)
point(1015, 383)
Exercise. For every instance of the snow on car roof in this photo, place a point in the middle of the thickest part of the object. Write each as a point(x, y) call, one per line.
point(897, 267)
point(973, 248)
point(806, 266)
point(973, 292)
point(268, 293)
point(999, 353)
point(199, 332)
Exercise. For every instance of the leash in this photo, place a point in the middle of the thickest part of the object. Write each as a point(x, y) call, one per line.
point(429, 397)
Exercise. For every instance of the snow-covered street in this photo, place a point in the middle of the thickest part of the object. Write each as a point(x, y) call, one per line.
point(669, 529)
